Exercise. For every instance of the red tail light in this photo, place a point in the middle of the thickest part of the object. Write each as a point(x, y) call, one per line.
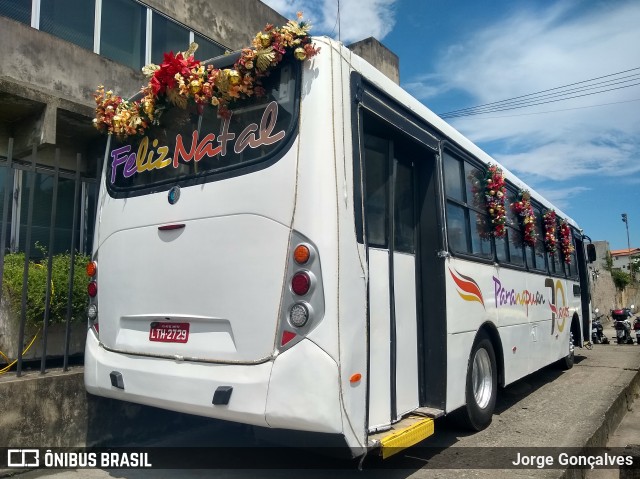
point(92, 289)
point(300, 283)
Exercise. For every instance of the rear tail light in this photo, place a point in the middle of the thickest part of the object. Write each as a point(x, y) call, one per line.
point(302, 254)
point(300, 283)
point(286, 337)
point(92, 312)
point(92, 291)
point(302, 307)
point(92, 268)
point(298, 315)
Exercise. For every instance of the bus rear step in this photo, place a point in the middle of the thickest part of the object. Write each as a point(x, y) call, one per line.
point(411, 430)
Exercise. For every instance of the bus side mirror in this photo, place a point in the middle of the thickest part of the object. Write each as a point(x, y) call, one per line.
point(591, 252)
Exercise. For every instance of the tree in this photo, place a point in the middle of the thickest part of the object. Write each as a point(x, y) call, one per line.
point(620, 279)
point(608, 261)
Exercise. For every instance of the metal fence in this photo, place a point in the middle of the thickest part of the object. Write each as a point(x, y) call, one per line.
point(68, 199)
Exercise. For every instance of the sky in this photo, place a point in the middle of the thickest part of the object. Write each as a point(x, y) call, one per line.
point(582, 153)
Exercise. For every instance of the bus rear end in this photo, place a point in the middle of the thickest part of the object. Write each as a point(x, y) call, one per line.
point(201, 285)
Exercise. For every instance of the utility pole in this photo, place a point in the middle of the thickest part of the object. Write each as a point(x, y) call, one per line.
point(625, 219)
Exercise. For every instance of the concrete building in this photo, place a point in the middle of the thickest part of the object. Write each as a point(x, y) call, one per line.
point(621, 258)
point(56, 53)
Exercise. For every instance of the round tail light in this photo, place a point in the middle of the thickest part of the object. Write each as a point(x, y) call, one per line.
point(301, 254)
point(92, 289)
point(300, 283)
point(298, 315)
point(92, 267)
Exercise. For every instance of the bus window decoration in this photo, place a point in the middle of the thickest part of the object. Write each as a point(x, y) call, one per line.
point(550, 237)
point(148, 158)
point(495, 191)
point(566, 241)
point(475, 181)
point(182, 80)
point(523, 208)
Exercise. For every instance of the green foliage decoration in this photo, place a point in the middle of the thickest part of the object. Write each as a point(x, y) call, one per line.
point(36, 287)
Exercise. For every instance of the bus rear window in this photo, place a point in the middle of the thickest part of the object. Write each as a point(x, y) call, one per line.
point(191, 146)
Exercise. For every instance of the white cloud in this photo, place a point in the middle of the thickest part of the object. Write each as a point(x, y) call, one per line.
point(537, 50)
point(375, 18)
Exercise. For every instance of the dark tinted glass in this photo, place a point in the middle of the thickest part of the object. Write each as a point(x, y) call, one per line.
point(376, 189)
point(17, 9)
point(452, 178)
point(167, 36)
point(457, 228)
point(403, 215)
point(480, 236)
point(71, 20)
point(122, 32)
point(176, 150)
point(206, 48)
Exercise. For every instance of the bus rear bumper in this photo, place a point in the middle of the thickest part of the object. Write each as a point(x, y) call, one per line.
point(186, 387)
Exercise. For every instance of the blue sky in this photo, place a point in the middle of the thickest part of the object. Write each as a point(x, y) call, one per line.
point(583, 154)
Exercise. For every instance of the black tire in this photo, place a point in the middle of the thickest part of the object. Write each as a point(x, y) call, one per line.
point(481, 386)
point(567, 362)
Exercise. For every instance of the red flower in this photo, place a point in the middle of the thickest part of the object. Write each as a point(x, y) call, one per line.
point(164, 77)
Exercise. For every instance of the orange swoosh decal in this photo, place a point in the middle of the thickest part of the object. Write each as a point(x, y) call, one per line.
point(467, 285)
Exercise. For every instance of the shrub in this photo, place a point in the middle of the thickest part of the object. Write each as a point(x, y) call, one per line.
point(620, 279)
point(36, 287)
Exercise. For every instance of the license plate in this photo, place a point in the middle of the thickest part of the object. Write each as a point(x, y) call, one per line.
point(169, 332)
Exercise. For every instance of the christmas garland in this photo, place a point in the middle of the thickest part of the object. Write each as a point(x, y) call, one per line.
point(550, 240)
point(566, 241)
point(181, 79)
point(523, 208)
point(495, 190)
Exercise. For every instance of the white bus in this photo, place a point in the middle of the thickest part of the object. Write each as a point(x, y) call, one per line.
point(321, 261)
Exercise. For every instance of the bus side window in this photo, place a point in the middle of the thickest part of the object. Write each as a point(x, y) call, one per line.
point(467, 219)
point(537, 254)
point(514, 233)
point(377, 185)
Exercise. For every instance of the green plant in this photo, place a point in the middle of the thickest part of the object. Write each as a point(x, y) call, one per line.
point(36, 287)
point(608, 261)
point(620, 279)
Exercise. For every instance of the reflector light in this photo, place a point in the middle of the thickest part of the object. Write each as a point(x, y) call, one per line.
point(92, 289)
point(286, 337)
point(298, 315)
point(355, 378)
point(300, 283)
point(92, 267)
point(301, 254)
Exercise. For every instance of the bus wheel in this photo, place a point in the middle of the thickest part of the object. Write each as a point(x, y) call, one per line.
point(567, 362)
point(481, 385)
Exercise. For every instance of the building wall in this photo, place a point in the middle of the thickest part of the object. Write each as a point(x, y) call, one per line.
point(231, 23)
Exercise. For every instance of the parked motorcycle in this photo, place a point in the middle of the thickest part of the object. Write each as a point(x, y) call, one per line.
point(597, 331)
point(636, 328)
point(622, 324)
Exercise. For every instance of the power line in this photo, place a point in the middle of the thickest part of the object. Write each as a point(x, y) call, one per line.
point(535, 100)
point(560, 93)
point(558, 111)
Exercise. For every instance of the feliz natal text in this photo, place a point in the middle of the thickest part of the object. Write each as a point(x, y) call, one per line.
point(253, 136)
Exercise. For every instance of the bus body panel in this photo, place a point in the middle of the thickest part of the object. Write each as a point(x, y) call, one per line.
point(303, 391)
point(518, 305)
point(179, 386)
point(197, 274)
